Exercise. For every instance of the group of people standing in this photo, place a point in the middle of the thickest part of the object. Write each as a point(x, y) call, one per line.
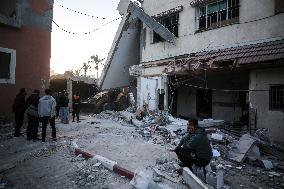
point(62, 110)
point(42, 109)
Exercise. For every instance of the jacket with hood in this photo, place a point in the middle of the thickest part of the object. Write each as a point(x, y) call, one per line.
point(46, 106)
point(198, 143)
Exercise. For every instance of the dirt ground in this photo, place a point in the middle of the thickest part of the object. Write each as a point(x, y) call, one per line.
point(28, 164)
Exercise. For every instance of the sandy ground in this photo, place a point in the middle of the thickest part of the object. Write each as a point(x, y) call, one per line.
point(28, 164)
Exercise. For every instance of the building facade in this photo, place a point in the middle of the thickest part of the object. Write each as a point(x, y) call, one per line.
point(25, 48)
point(226, 61)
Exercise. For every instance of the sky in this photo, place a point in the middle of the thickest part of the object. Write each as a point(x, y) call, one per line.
point(70, 51)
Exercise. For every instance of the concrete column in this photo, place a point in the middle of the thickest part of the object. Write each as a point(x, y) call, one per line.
point(69, 91)
point(166, 88)
point(138, 92)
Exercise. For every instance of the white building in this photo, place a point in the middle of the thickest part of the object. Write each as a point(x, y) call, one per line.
point(225, 61)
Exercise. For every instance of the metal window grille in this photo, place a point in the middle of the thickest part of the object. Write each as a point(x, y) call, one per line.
point(276, 97)
point(171, 23)
point(215, 13)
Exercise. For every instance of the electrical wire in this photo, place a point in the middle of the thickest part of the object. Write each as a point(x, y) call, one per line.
point(81, 13)
point(74, 33)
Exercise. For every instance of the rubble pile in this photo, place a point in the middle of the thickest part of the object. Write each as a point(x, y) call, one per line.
point(6, 131)
point(235, 153)
point(89, 173)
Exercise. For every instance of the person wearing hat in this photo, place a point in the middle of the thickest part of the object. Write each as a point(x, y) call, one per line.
point(19, 107)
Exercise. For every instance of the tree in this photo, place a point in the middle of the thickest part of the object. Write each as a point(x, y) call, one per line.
point(86, 67)
point(96, 61)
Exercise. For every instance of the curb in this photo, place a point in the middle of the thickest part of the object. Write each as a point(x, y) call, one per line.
point(109, 164)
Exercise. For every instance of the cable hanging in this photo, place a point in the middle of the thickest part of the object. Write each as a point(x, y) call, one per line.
point(85, 32)
point(81, 13)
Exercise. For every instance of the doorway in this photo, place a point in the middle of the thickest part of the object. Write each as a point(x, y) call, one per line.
point(204, 103)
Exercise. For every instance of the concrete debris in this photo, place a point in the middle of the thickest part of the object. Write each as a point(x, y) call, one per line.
point(193, 181)
point(241, 148)
point(273, 173)
point(267, 164)
point(262, 134)
point(216, 153)
point(210, 123)
point(164, 129)
point(254, 153)
point(216, 137)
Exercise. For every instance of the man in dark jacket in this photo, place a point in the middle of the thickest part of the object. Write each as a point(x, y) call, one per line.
point(194, 148)
point(19, 108)
point(32, 113)
point(63, 110)
point(76, 103)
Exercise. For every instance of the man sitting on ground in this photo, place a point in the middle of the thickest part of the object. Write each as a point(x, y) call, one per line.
point(194, 148)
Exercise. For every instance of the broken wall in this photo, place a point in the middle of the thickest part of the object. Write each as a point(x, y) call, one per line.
point(260, 81)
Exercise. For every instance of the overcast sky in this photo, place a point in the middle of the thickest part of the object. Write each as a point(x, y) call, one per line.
point(69, 51)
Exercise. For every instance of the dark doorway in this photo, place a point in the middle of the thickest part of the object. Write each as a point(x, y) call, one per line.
point(204, 103)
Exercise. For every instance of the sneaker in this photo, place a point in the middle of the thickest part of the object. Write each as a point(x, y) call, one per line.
point(54, 139)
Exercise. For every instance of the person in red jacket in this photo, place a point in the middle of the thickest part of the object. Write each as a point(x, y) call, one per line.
point(19, 107)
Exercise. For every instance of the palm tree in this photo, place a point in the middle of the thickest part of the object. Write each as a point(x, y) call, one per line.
point(96, 60)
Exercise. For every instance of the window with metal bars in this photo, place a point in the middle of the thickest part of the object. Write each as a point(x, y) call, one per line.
point(276, 97)
point(171, 23)
point(217, 13)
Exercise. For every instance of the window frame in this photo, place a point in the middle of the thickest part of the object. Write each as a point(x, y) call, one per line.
point(218, 23)
point(272, 102)
point(156, 38)
point(12, 74)
point(14, 21)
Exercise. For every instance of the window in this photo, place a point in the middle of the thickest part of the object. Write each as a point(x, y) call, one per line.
point(10, 13)
point(279, 6)
point(217, 13)
point(7, 65)
point(169, 22)
point(276, 97)
point(8, 7)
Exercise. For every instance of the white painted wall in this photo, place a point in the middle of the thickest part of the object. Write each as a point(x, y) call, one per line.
point(247, 32)
point(273, 120)
point(148, 92)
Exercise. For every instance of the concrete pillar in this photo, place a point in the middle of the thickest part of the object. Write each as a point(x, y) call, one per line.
point(166, 88)
point(138, 92)
point(69, 91)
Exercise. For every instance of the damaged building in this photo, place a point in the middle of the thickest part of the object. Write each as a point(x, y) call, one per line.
point(25, 49)
point(214, 59)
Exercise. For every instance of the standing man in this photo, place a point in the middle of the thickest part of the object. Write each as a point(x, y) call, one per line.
point(19, 108)
point(76, 103)
point(63, 110)
point(47, 112)
point(32, 113)
point(194, 148)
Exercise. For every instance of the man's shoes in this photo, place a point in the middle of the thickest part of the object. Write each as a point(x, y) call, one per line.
point(54, 139)
point(42, 140)
point(73, 120)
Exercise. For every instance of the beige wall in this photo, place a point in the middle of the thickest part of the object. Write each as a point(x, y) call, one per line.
point(273, 120)
point(189, 41)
